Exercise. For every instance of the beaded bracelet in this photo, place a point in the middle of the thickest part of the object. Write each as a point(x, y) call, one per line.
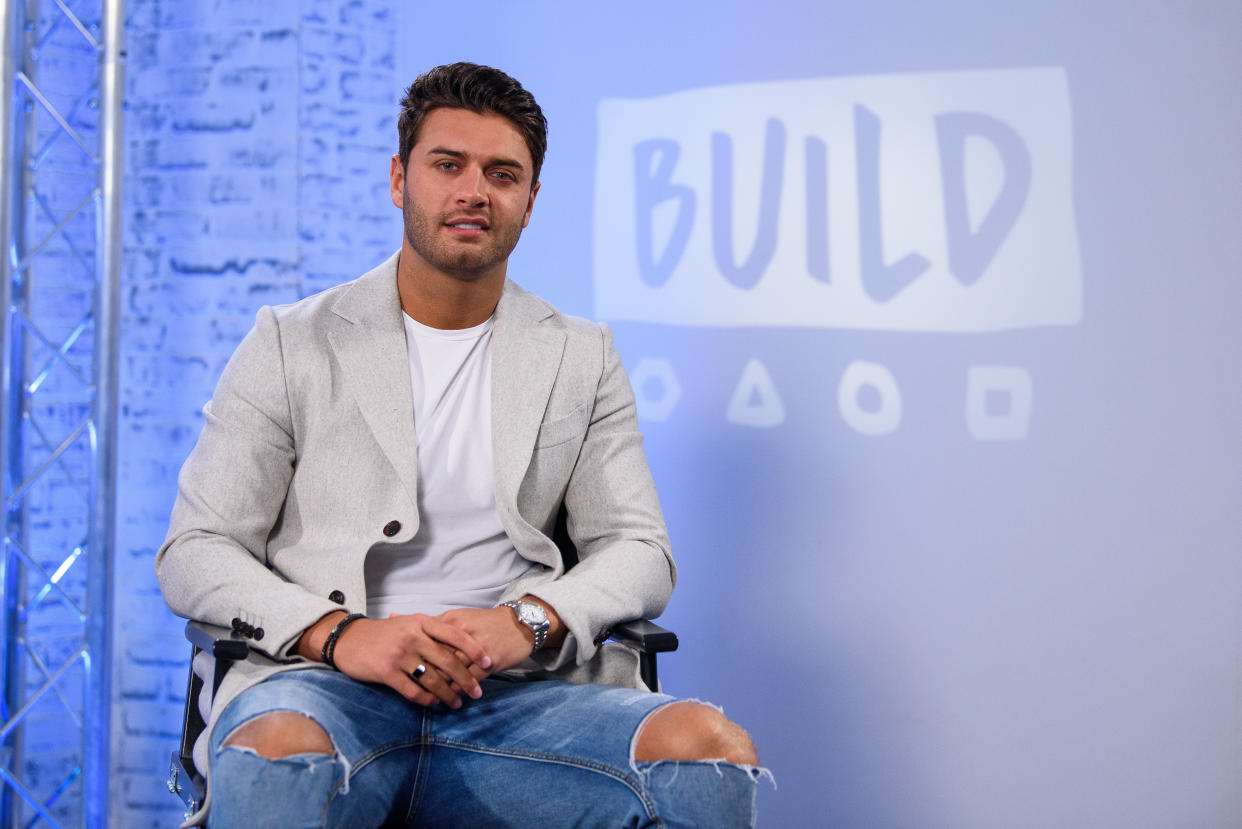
point(329, 644)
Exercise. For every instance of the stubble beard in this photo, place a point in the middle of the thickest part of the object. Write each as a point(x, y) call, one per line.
point(466, 262)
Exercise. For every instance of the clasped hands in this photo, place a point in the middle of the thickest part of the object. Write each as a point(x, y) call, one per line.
point(457, 649)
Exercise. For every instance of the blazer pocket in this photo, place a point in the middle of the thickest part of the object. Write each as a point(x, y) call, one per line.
point(564, 429)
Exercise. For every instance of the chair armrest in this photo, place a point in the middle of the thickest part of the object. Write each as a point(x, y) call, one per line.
point(220, 642)
point(645, 636)
point(648, 639)
point(225, 647)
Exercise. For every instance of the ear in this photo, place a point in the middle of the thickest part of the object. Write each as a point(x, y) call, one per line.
point(396, 183)
point(530, 204)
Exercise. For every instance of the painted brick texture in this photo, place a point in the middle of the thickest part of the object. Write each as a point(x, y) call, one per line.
point(257, 145)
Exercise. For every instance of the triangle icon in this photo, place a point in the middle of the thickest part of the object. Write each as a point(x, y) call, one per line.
point(755, 400)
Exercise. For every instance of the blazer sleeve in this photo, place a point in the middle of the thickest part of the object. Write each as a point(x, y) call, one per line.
point(213, 564)
point(625, 569)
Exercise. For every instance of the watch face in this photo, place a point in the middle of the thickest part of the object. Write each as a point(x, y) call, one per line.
point(532, 614)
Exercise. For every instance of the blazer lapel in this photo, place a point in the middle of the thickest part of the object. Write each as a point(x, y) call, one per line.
point(525, 358)
point(370, 344)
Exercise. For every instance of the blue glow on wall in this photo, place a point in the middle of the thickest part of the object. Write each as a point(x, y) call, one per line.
point(934, 441)
point(948, 447)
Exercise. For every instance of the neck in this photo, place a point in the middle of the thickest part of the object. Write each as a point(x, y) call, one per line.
point(439, 300)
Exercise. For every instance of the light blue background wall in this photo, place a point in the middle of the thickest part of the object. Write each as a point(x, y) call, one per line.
point(923, 628)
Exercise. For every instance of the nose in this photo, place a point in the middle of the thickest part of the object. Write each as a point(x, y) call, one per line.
point(472, 188)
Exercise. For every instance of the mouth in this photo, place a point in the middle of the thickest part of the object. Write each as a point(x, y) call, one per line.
point(468, 226)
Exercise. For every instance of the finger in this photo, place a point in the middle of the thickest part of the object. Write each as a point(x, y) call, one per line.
point(417, 676)
point(458, 639)
point(419, 643)
point(411, 690)
point(451, 669)
point(444, 670)
point(452, 684)
point(433, 681)
point(475, 671)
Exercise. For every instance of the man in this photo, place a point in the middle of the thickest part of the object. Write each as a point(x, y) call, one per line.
point(374, 492)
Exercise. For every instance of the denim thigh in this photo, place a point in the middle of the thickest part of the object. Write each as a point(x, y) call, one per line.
point(377, 736)
point(536, 754)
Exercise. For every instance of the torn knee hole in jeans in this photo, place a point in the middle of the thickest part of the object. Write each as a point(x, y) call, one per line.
point(644, 768)
point(309, 760)
point(642, 726)
point(714, 740)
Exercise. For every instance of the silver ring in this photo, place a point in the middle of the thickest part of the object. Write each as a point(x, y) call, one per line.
point(418, 672)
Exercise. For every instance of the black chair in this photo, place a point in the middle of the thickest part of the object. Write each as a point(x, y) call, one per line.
point(226, 646)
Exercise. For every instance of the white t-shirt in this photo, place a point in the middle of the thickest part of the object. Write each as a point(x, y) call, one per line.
point(461, 556)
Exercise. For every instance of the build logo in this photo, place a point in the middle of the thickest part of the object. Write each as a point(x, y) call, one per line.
point(936, 202)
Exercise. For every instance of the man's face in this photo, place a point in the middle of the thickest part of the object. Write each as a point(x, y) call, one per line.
point(466, 193)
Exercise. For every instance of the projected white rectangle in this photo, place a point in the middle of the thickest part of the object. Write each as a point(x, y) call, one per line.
point(906, 202)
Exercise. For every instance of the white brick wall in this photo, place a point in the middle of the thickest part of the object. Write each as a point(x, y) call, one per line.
point(258, 137)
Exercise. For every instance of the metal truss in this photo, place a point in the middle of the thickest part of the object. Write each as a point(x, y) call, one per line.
point(60, 212)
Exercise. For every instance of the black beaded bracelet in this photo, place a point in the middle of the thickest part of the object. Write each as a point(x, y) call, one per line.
point(329, 644)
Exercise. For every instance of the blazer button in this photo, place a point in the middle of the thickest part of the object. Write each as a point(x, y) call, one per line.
point(392, 528)
point(236, 624)
point(258, 633)
point(336, 596)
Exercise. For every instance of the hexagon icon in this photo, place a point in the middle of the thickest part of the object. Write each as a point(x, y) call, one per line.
point(656, 388)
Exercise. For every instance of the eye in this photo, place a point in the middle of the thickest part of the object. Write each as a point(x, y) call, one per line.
point(447, 166)
point(505, 175)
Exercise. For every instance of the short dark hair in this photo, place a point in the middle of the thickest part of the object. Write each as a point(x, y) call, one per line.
point(480, 89)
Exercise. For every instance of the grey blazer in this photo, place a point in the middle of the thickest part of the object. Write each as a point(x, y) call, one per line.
point(307, 460)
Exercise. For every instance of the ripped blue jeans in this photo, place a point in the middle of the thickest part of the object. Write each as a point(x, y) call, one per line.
point(528, 754)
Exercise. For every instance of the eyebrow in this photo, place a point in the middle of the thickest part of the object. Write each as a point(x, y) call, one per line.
point(499, 161)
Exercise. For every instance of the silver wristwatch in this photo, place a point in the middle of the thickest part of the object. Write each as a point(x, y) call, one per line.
point(534, 617)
